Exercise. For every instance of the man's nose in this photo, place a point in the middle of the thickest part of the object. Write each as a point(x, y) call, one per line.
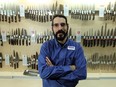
point(60, 27)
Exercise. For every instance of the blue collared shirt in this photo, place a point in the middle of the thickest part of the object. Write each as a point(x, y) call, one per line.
point(61, 75)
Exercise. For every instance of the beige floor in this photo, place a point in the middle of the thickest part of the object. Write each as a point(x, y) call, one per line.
point(20, 83)
point(37, 83)
point(8, 79)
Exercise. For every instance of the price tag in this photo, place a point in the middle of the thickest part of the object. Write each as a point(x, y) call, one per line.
point(104, 37)
point(22, 11)
point(82, 12)
point(24, 57)
point(4, 12)
point(33, 36)
point(78, 36)
point(8, 13)
point(7, 59)
point(111, 37)
point(94, 37)
point(101, 37)
point(114, 12)
point(107, 37)
point(66, 10)
point(89, 11)
point(4, 36)
point(1, 12)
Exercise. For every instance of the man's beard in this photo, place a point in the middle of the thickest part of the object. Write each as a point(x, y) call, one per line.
point(60, 35)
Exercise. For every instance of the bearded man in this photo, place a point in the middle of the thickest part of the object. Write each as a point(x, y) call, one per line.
point(61, 62)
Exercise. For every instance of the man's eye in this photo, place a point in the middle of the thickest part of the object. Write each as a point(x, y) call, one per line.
point(56, 25)
point(62, 24)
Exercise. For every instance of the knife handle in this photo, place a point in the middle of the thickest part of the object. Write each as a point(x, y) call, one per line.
point(0, 64)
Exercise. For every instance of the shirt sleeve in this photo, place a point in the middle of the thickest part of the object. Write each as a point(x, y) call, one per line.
point(50, 72)
point(80, 73)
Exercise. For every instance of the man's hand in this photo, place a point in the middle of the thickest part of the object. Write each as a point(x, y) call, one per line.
point(73, 67)
point(48, 62)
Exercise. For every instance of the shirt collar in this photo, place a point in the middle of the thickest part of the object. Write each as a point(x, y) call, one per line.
point(58, 45)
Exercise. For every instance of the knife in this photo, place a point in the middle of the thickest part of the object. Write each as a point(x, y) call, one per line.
point(14, 59)
point(1, 60)
point(93, 12)
point(1, 38)
point(17, 60)
point(114, 38)
point(98, 38)
point(105, 36)
point(94, 39)
point(111, 38)
point(108, 37)
point(114, 13)
point(101, 37)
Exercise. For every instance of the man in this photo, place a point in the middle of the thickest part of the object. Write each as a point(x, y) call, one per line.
point(61, 61)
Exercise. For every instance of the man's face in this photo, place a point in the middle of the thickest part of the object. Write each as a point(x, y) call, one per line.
point(60, 28)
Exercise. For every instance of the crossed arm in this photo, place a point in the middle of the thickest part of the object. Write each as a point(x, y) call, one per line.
point(48, 70)
point(49, 63)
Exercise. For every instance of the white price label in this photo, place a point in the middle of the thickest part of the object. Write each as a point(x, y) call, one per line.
point(78, 36)
point(7, 59)
point(4, 36)
point(24, 57)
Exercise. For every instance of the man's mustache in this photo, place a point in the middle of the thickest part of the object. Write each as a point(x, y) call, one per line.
point(60, 31)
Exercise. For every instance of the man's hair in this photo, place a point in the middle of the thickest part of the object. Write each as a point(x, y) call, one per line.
point(61, 16)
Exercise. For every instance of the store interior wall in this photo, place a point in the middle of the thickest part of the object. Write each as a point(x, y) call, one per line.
point(75, 25)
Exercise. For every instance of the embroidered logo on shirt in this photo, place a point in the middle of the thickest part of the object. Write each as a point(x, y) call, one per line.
point(71, 47)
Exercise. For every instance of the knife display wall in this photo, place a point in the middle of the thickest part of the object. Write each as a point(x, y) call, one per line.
point(83, 12)
point(47, 35)
point(38, 15)
point(14, 60)
point(110, 12)
point(9, 13)
point(42, 14)
point(33, 61)
point(102, 62)
point(104, 38)
point(91, 38)
point(19, 37)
